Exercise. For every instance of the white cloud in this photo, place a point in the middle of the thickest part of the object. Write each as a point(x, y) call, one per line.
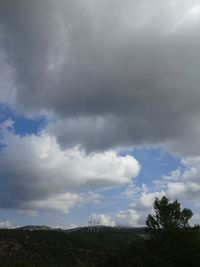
point(176, 189)
point(174, 175)
point(90, 197)
point(185, 184)
point(44, 177)
point(146, 199)
point(128, 217)
point(182, 184)
point(6, 224)
point(195, 219)
point(103, 219)
point(59, 203)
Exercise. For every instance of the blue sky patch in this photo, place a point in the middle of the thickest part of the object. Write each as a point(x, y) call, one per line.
point(23, 125)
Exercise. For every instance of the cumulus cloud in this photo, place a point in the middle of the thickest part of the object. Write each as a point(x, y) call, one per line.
point(37, 174)
point(195, 219)
point(6, 224)
point(142, 205)
point(107, 66)
point(186, 185)
point(128, 217)
point(58, 203)
point(103, 219)
point(146, 199)
point(182, 184)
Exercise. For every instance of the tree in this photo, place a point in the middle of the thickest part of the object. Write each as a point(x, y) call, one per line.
point(172, 241)
point(168, 215)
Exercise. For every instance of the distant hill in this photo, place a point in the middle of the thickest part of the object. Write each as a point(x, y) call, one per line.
point(101, 228)
point(34, 227)
point(108, 229)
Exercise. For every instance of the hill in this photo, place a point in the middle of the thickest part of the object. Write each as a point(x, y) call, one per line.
point(30, 246)
point(111, 246)
point(34, 227)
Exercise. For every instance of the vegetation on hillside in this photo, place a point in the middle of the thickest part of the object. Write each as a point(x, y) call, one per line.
point(169, 242)
point(57, 248)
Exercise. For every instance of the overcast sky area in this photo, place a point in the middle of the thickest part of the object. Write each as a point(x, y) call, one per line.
point(99, 110)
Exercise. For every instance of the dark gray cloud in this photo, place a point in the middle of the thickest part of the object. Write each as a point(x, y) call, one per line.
point(134, 65)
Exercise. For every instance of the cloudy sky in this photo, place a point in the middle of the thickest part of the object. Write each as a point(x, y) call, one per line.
point(99, 109)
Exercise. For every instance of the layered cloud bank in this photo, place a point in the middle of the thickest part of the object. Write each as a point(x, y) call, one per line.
point(101, 66)
point(37, 174)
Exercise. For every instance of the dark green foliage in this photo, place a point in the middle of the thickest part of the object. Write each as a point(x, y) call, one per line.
point(57, 248)
point(171, 237)
point(167, 216)
point(170, 242)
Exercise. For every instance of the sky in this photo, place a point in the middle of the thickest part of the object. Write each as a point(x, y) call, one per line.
point(99, 110)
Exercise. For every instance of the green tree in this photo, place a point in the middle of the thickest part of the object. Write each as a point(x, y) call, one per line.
point(168, 215)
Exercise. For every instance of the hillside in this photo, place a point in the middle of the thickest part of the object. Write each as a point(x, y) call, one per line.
point(34, 227)
point(109, 247)
point(30, 246)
